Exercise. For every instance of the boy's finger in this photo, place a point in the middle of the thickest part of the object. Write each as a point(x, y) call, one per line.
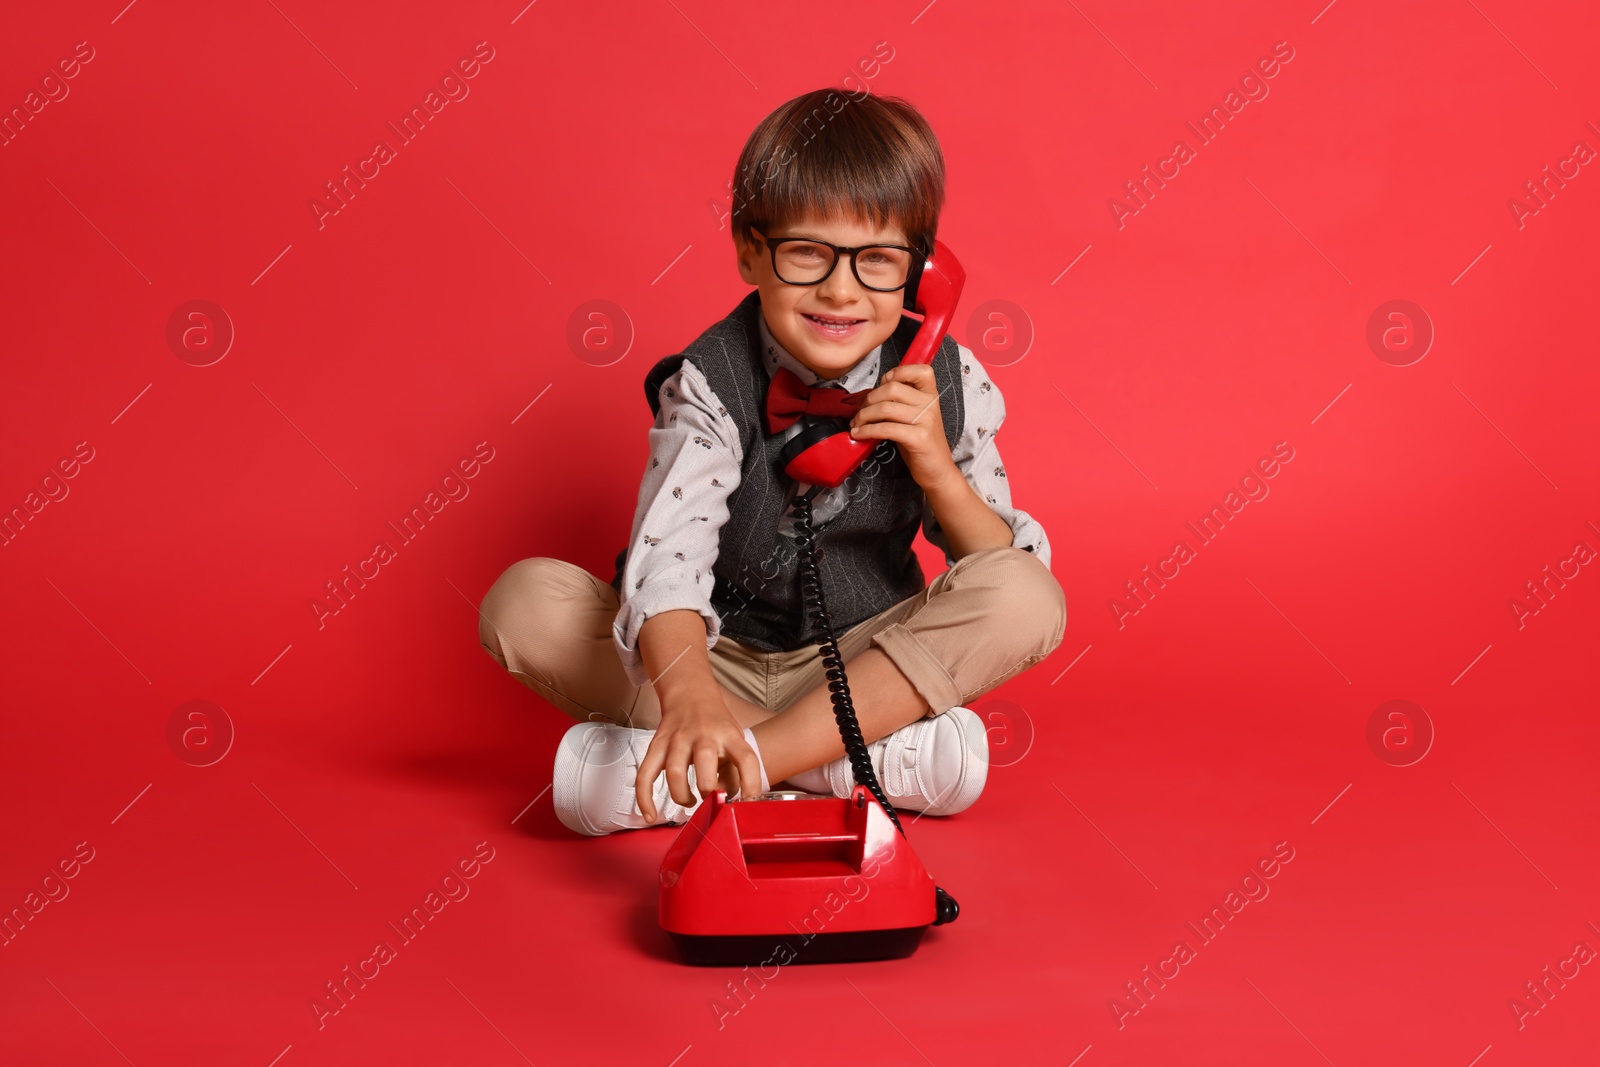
point(645, 780)
point(916, 375)
point(748, 765)
point(705, 769)
point(749, 774)
point(729, 780)
point(892, 431)
point(678, 775)
point(911, 379)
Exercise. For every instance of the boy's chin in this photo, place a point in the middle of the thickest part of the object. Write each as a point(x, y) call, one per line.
point(833, 362)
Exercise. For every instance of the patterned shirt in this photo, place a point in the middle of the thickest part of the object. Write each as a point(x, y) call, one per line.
point(697, 460)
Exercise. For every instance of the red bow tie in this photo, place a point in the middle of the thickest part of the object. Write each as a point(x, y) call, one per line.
point(788, 398)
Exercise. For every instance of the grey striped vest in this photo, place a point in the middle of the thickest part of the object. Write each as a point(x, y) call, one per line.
point(864, 552)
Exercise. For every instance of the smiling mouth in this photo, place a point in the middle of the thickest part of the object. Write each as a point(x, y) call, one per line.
point(833, 323)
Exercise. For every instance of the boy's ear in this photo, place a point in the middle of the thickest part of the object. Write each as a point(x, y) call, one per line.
point(748, 255)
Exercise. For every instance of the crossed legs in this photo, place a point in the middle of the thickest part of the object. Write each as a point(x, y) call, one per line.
point(548, 623)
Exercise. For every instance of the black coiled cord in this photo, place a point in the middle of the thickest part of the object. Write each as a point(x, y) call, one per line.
point(844, 712)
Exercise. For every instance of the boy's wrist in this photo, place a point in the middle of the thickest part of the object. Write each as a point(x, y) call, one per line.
point(941, 484)
point(690, 702)
point(674, 687)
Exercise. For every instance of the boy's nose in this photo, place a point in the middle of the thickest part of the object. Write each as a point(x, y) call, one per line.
point(841, 286)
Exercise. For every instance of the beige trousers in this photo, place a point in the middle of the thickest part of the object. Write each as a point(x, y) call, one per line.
point(990, 617)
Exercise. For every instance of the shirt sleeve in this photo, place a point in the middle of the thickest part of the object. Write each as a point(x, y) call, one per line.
point(695, 463)
point(978, 459)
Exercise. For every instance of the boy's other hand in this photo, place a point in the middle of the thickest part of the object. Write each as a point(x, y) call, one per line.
point(904, 408)
point(697, 730)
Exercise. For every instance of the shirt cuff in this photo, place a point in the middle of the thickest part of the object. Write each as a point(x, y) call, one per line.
point(1029, 535)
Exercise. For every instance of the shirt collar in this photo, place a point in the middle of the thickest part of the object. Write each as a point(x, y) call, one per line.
point(864, 375)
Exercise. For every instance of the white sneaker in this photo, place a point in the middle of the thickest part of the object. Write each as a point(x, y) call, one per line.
point(937, 766)
point(592, 789)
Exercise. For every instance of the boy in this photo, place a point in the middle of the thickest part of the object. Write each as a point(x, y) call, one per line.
point(696, 668)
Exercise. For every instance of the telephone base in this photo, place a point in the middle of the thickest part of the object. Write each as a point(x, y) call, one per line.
point(769, 950)
point(806, 879)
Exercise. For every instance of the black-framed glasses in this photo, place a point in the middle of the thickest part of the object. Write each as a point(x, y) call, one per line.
point(808, 261)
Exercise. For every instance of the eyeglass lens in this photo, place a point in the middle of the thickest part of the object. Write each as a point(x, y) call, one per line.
point(877, 266)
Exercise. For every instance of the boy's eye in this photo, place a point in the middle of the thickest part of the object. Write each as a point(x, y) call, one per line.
point(804, 252)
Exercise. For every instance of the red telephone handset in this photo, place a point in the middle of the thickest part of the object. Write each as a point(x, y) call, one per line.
point(826, 454)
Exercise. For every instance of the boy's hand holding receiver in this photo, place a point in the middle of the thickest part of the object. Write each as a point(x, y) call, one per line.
point(904, 408)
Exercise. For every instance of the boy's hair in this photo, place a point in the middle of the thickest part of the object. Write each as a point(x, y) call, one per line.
point(827, 152)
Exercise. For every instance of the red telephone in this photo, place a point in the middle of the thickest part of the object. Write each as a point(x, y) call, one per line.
point(825, 454)
point(780, 867)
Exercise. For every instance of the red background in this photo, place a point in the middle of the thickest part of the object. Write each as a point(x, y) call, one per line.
point(588, 163)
